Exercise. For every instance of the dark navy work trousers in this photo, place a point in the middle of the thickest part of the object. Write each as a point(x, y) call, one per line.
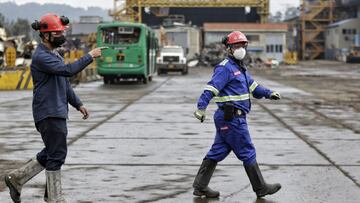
point(53, 133)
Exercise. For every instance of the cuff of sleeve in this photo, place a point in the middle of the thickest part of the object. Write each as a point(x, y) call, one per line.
point(79, 105)
point(201, 107)
point(89, 58)
point(268, 95)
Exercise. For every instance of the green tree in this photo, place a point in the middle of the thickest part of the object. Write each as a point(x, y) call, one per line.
point(275, 18)
point(21, 27)
point(2, 20)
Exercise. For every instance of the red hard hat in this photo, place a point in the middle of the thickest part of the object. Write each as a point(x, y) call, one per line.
point(236, 37)
point(51, 22)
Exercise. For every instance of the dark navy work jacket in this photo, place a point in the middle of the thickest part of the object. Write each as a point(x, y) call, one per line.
point(52, 89)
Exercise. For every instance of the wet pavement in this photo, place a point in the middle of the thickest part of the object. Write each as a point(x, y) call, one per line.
point(142, 144)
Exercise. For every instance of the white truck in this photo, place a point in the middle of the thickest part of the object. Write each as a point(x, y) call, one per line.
point(171, 59)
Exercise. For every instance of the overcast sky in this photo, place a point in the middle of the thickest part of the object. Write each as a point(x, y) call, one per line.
point(275, 5)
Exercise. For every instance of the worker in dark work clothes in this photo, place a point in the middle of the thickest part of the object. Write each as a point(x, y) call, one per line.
point(51, 95)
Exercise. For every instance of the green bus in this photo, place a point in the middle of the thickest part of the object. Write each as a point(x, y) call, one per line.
point(131, 53)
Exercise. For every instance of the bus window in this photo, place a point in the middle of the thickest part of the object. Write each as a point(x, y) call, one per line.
point(120, 35)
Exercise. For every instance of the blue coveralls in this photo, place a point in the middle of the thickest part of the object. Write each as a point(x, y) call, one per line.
point(51, 95)
point(232, 83)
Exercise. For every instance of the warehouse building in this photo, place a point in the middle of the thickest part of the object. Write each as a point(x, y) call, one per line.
point(266, 40)
point(340, 37)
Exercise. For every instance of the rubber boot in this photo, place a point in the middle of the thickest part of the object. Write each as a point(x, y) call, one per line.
point(54, 190)
point(202, 180)
point(260, 187)
point(18, 177)
point(45, 193)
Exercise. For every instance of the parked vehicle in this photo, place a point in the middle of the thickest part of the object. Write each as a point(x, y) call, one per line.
point(354, 55)
point(131, 53)
point(171, 59)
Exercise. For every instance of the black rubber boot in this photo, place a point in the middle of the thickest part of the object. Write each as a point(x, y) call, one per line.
point(260, 187)
point(202, 180)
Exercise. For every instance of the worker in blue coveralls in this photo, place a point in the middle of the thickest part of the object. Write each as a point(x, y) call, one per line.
point(230, 87)
point(52, 93)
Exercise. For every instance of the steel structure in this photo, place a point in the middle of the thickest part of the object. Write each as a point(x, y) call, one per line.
point(131, 9)
point(315, 16)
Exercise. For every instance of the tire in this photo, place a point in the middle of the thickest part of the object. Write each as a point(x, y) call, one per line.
point(150, 78)
point(106, 80)
point(159, 72)
point(145, 80)
point(185, 71)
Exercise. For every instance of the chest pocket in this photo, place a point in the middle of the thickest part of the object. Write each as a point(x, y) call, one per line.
point(241, 79)
point(240, 82)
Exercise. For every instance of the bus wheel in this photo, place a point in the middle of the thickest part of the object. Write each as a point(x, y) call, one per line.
point(150, 78)
point(145, 80)
point(106, 80)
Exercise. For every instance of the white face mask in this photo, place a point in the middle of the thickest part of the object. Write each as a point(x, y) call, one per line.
point(239, 53)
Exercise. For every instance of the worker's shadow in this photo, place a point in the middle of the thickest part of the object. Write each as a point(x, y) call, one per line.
point(204, 200)
point(261, 200)
point(208, 200)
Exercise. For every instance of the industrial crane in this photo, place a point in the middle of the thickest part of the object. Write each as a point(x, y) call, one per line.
point(130, 10)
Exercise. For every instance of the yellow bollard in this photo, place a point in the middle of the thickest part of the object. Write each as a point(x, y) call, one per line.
point(79, 53)
point(72, 56)
point(66, 57)
point(10, 57)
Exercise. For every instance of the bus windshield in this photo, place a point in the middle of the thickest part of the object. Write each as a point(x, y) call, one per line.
point(120, 35)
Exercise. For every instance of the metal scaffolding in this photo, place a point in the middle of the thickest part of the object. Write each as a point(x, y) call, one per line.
point(130, 10)
point(315, 16)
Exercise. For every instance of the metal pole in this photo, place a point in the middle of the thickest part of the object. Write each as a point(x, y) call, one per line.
point(139, 12)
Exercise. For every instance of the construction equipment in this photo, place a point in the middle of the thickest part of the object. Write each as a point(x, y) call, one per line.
point(290, 58)
point(163, 38)
point(354, 55)
point(131, 10)
point(315, 16)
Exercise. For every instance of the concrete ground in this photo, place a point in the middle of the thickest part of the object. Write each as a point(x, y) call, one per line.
point(142, 143)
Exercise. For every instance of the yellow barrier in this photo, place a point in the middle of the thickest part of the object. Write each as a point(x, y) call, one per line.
point(291, 58)
point(20, 78)
point(16, 79)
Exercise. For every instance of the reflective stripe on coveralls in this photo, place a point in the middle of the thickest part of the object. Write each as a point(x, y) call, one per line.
point(253, 86)
point(212, 89)
point(232, 98)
